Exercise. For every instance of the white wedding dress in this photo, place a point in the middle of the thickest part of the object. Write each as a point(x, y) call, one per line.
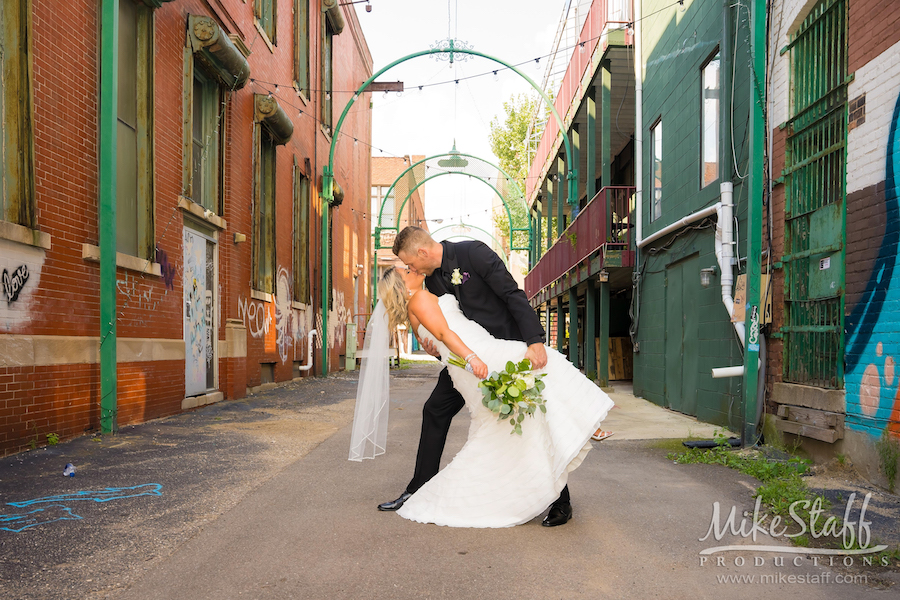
point(498, 479)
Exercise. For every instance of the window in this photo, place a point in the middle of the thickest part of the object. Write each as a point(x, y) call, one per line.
point(203, 187)
point(709, 122)
point(301, 44)
point(301, 235)
point(266, 14)
point(327, 78)
point(16, 158)
point(264, 223)
point(134, 161)
point(656, 169)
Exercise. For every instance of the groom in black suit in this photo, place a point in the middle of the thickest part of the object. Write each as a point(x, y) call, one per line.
point(488, 295)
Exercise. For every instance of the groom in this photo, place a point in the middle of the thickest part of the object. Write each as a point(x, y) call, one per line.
point(488, 295)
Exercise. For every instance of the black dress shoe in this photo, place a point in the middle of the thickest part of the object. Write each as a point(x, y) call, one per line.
point(396, 504)
point(559, 515)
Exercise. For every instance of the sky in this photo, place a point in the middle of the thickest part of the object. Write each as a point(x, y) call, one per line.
point(427, 122)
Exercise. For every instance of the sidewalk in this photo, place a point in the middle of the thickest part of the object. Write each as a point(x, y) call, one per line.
point(256, 498)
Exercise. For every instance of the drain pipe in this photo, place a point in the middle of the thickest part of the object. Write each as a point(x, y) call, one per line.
point(309, 351)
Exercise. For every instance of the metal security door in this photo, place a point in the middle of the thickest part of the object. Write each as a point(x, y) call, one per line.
point(815, 191)
point(199, 313)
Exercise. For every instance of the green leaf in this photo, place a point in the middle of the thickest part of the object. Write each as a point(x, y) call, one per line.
point(510, 367)
point(543, 408)
point(524, 364)
point(505, 409)
point(513, 391)
point(521, 385)
point(521, 418)
point(518, 429)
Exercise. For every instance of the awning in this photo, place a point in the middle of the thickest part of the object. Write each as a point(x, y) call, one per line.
point(273, 118)
point(217, 52)
point(332, 10)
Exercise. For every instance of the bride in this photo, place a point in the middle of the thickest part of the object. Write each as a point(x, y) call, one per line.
point(496, 479)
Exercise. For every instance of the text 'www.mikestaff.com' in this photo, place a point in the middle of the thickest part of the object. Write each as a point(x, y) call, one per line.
point(795, 578)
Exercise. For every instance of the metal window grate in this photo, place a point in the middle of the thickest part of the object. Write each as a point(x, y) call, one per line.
point(815, 178)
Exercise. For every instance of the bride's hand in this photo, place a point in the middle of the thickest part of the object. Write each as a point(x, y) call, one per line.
point(479, 369)
point(430, 347)
point(537, 354)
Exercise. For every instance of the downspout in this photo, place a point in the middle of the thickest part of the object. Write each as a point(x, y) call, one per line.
point(325, 280)
point(309, 350)
point(109, 72)
point(638, 127)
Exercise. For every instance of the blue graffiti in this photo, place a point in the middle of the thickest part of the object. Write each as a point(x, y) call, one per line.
point(870, 390)
point(57, 511)
point(41, 516)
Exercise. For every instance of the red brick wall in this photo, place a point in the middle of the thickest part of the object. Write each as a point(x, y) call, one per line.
point(37, 400)
point(873, 27)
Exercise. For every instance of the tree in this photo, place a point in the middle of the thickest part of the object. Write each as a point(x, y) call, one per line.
point(509, 146)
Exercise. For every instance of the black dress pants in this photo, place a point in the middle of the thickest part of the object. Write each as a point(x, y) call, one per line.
point(438, 412)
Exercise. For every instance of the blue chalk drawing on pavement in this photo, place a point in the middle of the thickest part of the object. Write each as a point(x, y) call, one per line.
point(56, 509)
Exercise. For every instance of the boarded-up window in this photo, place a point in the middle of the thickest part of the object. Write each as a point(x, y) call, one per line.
point(205, 141)
point(327, 74)
point(266, 15)
point(301, 44)
point(301, 236)
point(16, 154)
point(133, 132)
point(264, 234)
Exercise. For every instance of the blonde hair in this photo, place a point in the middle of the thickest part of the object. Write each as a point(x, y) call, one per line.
point(393, 293)
point(410, 239)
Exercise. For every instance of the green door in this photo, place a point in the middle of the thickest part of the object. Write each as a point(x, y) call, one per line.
point(681, 335)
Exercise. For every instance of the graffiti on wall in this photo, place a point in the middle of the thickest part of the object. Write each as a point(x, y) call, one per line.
point(255, 315)
point(167, 269)
point(20, 273)
point(871, 381)
point(338, 318)
point(283, 314)
point(14, 282)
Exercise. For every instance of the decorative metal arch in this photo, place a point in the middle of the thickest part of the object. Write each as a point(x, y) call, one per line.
point(517, 192)
point(327, 191)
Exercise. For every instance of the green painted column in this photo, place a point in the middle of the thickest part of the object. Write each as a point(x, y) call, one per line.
point(550, 230)
point(590, 330)
point(108, 118)
point(538, 232)
point(560, 325)
point(573, 326)
point(603, 336)
point(590, 140)
point(574, 199)
point(605, 143)
point(560, 205)
point(754, 218)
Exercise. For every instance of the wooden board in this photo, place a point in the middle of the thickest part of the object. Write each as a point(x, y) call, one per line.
point(620, 358)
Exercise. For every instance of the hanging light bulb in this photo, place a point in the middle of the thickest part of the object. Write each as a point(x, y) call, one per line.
point(385, 95)
point(276, 88)
point(328, 95)
point(537, 64)
point(581, 49)
point(420, 89)
point(496, 77)
point(355, 142)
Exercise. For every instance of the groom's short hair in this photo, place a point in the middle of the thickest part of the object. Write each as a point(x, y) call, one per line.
point(410, 239)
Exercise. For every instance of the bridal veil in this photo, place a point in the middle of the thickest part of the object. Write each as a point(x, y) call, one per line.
point(370, 420)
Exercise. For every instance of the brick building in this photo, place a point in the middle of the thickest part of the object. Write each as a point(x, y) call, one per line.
point(222, 116)
point(835, 111)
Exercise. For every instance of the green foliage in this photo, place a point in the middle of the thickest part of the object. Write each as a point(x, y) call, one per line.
point(509, 145)
point(52, 439)
point(513, 393)
point(781, 482)
point(888, 454)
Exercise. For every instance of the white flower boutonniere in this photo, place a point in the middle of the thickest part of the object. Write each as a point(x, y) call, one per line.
point(457, 278)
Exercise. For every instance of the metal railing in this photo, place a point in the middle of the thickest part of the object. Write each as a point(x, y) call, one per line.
point(607, 220)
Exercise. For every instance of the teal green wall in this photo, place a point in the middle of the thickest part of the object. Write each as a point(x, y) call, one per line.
point(676, 44)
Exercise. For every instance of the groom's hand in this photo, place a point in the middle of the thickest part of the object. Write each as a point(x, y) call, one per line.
point(429, 347)
point(537, 354)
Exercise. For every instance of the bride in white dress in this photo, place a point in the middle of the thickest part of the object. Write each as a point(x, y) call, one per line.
point(497, 479)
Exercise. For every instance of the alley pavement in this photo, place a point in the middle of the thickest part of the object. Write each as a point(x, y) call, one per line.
point(255, 498)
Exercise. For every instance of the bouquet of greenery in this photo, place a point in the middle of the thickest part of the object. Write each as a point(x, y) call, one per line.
point(513, 393)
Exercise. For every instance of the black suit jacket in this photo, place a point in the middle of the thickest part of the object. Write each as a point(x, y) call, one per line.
point(489, 295)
